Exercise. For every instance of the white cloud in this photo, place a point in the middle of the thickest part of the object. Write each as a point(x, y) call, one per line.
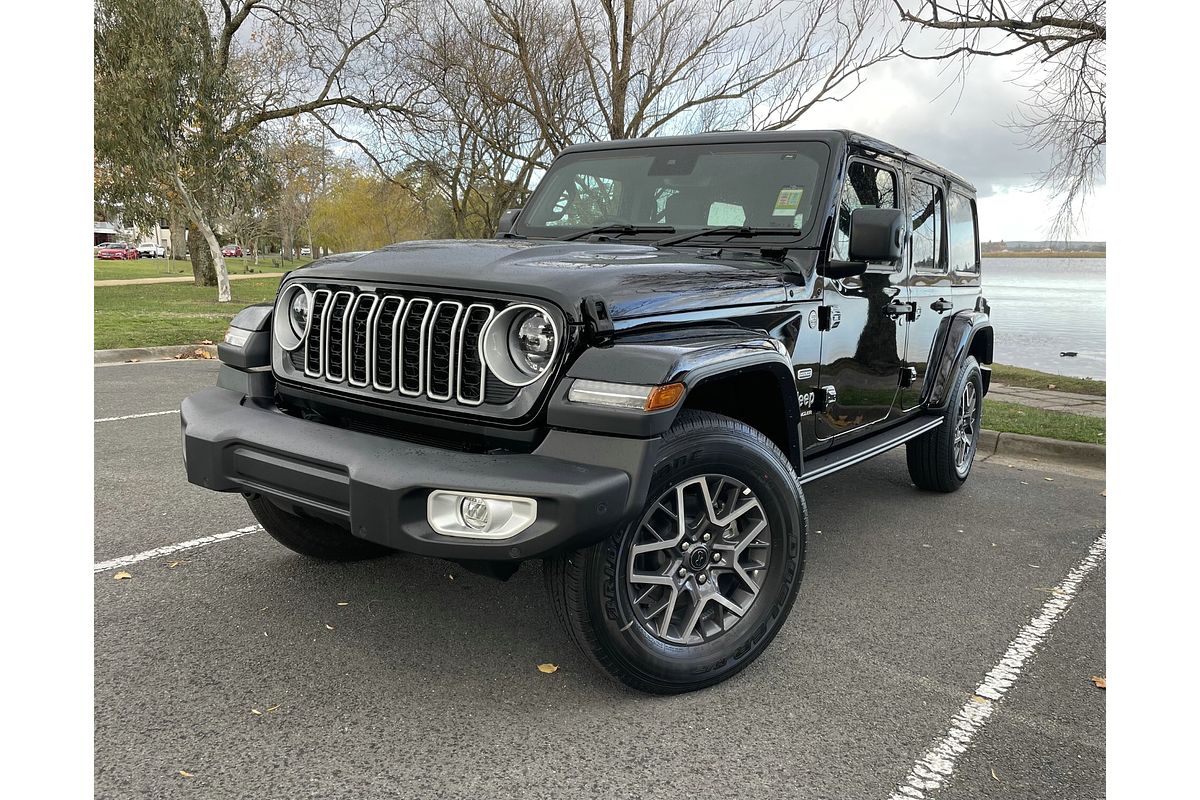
point(966, 127)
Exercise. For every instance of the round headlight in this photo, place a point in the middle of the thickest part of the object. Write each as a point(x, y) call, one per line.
point(298, 313)
point(293, 316)
point(520, 343)
point(531, 342)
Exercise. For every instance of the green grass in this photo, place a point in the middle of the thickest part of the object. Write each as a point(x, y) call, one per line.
point(150, 315)
point(1032, 379)
point(165, 267)
point(1014, 418)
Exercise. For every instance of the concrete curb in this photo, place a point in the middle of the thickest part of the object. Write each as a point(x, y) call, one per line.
point(1018, 445)
point(171, 353)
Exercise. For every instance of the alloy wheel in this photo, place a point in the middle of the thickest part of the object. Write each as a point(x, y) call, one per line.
point(967, 428)
point(697, 560)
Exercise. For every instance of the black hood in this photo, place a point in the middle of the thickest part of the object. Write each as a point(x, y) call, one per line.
point(634, 280)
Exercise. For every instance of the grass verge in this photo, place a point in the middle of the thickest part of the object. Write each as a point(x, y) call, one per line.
point(1014, 418)
point(152, 315)
point(1032, 379)
point(166, 268)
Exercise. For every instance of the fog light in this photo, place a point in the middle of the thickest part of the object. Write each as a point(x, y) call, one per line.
point(480, 516)
point(475, 513)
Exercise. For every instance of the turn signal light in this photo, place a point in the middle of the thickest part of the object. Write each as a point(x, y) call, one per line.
point(664, 396)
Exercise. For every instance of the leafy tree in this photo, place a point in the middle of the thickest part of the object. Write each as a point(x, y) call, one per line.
point(184, 111)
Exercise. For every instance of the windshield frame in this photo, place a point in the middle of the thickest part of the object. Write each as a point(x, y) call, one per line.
point(807, 237)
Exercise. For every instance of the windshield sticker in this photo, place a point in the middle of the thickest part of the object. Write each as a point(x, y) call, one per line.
point(788, 201)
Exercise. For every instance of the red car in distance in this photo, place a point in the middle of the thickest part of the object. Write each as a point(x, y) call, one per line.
point(118, 251)
point(231, 251)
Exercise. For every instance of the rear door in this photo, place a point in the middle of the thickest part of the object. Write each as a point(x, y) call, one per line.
point(927, 281)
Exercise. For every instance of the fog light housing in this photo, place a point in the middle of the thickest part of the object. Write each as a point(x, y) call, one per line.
point(479, 516)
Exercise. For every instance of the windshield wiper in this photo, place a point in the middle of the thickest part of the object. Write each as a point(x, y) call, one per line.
point(732, 230)
point(623, 228)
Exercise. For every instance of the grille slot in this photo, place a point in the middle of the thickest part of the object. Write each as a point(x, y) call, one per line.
point(391, 343)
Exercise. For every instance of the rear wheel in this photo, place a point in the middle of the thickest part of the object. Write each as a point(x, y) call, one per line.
point(697, 586)
point(312, 537)
point(941, 459)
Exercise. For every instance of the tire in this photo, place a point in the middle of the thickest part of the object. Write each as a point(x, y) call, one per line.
point(312, 537)
point(941, 460)
point(608, 614)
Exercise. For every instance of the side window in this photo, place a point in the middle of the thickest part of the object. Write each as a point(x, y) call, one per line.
point(926, 206)
point(867, 185)
point(964, 234)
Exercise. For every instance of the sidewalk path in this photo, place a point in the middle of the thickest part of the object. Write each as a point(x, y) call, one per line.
point(1049, 399)
point(181, 279)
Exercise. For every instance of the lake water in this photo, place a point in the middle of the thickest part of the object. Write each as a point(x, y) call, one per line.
point(1042, 307)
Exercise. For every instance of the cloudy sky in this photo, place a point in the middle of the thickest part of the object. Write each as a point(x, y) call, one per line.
point(964, 131)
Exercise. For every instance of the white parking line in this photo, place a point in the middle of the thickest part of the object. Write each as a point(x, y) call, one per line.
point(932, 769)
point(159, 552)
point(137, 416)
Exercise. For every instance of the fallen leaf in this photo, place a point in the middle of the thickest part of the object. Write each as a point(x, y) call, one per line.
point(994, 775)
point(122, 576)
point(206, 341)
point(343, 603)
point(1047, 479)
point(1024, 483)
point(256, 712)
point(175, 564)
point(1099, 683)
point(185, 773)
point(978, 699)
point(549, 669)
point(450, 576)
point(264, 608)
point(272, 708)
point(327, 625)
point(133, 361)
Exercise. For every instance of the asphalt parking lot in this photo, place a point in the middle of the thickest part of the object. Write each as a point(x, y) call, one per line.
point(408, 677)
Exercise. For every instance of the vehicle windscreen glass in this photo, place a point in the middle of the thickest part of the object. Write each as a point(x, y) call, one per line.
point(686, 187)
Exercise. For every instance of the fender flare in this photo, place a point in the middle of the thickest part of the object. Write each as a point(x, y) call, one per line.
point(955, 339)
point(692, 358)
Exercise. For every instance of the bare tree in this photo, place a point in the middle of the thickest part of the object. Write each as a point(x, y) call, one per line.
point(651, 67)
point(1064, 41)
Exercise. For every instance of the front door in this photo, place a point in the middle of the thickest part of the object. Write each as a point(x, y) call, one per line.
point(927, 282)
point(862, 343)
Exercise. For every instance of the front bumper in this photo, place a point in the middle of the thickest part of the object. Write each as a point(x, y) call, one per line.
point(378, 487)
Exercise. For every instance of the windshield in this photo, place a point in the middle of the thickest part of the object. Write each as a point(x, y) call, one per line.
point(117, 246)
point(685, 187)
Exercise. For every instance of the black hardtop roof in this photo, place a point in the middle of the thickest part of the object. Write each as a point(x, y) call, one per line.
point(831, 137)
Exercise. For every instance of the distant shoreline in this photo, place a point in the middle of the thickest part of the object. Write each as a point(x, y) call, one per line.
point(1046, 254)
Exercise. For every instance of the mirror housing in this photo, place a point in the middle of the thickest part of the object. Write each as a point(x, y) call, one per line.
point(876, 235)
point(507, 219)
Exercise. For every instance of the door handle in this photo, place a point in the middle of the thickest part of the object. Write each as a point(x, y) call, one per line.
point(941, 305)
point(896, 309)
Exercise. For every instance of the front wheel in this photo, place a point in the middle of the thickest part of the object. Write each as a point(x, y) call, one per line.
point(941, 459)
point(696, 587)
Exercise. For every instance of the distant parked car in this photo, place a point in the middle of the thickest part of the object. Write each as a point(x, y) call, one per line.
point(117, 251)
point(151, 250)
point(305, 252)
point(231, 251)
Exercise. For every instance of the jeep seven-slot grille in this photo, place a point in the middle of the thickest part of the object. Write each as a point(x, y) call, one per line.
point(401, 345)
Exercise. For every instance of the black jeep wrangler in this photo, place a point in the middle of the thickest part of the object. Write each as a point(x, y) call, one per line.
point(632, 383)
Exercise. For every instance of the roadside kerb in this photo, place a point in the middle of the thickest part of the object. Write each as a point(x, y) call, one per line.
point(176, 352)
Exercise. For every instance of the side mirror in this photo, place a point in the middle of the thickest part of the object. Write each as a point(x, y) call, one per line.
point(507, 220)
point(876, 235)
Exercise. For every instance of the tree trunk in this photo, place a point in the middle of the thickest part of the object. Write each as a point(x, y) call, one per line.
point(178, 234)
point(202, 266)
point(214, 247)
